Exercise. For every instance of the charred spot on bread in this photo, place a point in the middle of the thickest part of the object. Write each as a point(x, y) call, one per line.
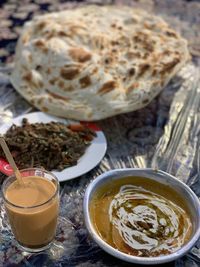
point(142, 69)
point(107, 87)
point(69, 73)
point(79, 54)
point(38, 68)
point(52, 81)
point(40, 44)
point(27, 77)
point(171, 33)
point(40, 26)
point(132, 87)
point(169, 65)
point(131, 71)
point(85, 81)
point(61, 84)
point(57, 96)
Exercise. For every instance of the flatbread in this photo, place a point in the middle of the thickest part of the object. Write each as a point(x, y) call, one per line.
point(95, 62)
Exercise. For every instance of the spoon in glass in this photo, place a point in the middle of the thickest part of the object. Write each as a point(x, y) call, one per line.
point(11, 160)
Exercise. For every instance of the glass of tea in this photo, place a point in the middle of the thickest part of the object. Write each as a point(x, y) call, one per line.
point(32, 208)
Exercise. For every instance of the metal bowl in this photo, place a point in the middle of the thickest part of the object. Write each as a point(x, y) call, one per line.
point(161, 177)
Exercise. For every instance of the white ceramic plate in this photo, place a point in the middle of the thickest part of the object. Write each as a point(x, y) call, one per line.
point(93, 154)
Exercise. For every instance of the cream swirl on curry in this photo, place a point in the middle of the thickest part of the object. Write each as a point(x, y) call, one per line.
point(141, 217)
point(148, 222)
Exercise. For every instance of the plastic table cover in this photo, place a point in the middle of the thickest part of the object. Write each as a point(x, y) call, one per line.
point(164, 135)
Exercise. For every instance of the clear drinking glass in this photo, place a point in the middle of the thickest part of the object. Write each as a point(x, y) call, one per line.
point(34, 227)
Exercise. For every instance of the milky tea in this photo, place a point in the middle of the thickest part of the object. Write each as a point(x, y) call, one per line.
point(32, 208)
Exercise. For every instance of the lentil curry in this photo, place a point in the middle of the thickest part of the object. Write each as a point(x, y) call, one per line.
point(141, 217)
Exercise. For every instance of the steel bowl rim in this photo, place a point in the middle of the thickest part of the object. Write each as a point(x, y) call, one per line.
point(130, 258)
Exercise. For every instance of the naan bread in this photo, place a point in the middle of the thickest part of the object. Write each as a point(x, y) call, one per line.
point(95, 62)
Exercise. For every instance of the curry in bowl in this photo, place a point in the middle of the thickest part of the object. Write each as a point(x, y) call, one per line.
point(141, 217)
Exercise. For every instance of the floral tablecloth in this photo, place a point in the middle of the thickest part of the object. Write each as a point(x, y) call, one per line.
point(164, 135)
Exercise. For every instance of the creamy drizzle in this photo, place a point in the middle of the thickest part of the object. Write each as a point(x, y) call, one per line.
point(147, 222)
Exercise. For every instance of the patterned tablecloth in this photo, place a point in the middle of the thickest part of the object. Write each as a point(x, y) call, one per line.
point(165, 134)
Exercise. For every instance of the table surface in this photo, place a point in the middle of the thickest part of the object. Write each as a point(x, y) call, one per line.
point(164, 135)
